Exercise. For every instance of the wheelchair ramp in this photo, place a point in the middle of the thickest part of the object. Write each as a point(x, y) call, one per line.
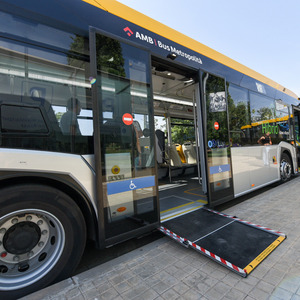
point(234, 243)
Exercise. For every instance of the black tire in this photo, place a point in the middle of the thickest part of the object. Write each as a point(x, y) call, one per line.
point(42, 238)
point(285, 167)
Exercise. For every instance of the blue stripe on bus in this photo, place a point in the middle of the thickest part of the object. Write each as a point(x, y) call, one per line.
point(219, 169)
point(117, 187)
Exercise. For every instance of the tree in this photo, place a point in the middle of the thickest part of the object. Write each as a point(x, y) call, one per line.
point(183, 132)
point(109, 54)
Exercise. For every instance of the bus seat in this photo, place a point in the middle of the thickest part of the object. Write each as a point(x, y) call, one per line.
point(175, 160)
point(43, 121)
point(33, 102)
point(180, 153)
point(159, 153)
point(160, 146)
point(189, 152)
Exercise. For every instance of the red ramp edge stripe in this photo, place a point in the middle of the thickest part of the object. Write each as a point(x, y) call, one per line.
point(246, 222)
point(216, 258)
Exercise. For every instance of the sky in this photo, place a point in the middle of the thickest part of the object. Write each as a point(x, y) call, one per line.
point(263, 35)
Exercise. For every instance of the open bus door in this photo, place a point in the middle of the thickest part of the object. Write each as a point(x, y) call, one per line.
point(218, 156)
point(232, 242)
point(126, 184)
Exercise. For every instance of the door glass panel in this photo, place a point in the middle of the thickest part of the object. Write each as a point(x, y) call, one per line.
point(296, 131)
point(126, 127)
point(296, 128)
point(263, 118)
point(44, 94)
point(218, 148)
point(282, 130)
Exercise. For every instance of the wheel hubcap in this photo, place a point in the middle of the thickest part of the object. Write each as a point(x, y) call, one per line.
point(21, 238)
point(285, 170)
point(31, 242)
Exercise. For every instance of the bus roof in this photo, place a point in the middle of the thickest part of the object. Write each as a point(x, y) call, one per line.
point(120, 10)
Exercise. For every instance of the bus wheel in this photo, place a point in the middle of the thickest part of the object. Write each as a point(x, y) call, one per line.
point(285, 167)
point(42, 238)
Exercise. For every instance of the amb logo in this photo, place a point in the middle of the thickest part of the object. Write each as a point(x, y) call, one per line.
point(128, 31)
point(138, 35)
point(153, 41)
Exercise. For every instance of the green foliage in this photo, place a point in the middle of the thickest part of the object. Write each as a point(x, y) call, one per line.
point(79, 45)
point(239, 116)
point(183, 132)
point(264, 113)
point(109, 56)
point(58, 116)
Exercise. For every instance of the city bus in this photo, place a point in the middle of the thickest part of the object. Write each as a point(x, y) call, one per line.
point(111, 123)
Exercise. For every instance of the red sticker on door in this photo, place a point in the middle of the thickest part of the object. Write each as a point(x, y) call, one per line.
point(127, 119)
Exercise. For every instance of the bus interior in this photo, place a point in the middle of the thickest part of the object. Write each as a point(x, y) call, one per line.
point(177, 151)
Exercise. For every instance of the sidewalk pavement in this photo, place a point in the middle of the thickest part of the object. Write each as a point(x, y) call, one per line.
point(164, 269)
